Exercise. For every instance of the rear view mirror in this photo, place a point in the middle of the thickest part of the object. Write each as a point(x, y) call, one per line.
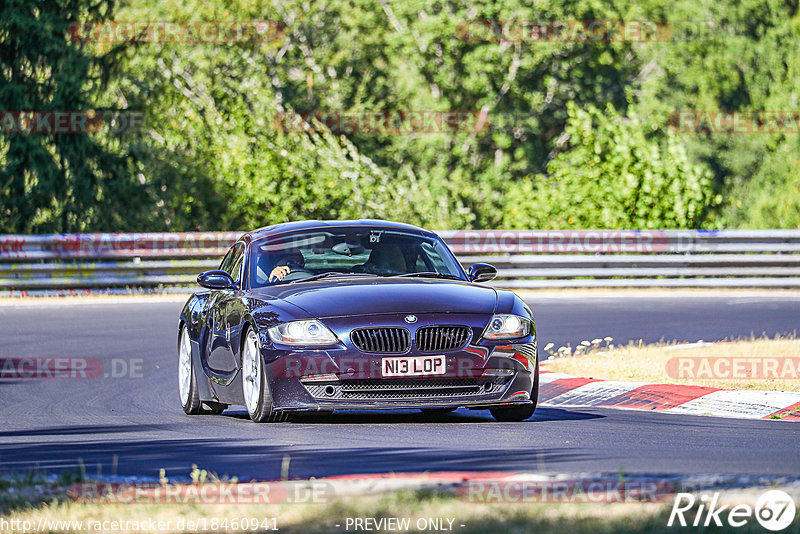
point(216, 280)
point(347, 249)
point(482, 272)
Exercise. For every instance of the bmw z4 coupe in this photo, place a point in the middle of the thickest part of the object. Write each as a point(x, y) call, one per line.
point(353, 315)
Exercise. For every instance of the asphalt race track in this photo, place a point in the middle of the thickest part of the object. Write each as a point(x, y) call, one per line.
point(133, 424)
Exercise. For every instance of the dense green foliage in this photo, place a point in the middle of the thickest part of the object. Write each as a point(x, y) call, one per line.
point(613, 176)
point(58, 182)
point(578, 133)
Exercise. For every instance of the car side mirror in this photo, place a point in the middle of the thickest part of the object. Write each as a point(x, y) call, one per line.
point(216, 280)
point(482, 272)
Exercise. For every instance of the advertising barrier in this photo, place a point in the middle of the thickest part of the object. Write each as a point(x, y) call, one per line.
point(160, 261)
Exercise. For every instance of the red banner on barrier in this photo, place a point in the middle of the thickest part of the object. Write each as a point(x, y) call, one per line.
point(214, 244)
point(11, 245)
point(559, 241)
point(115, 244)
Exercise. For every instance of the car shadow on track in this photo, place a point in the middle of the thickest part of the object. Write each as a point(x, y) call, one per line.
point(414, 416)
point(372, 417)
point(560, 414)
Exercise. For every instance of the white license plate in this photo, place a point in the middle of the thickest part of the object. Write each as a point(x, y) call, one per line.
point(413, 366)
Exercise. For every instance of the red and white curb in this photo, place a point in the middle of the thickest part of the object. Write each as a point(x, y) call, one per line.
point(558, 389)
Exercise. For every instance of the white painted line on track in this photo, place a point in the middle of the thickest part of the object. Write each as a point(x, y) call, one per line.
point(57, 302)
point(738, 403)
point(594, 393)
point(546, 378)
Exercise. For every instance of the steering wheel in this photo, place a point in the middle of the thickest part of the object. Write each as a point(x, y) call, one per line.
point(303, 273)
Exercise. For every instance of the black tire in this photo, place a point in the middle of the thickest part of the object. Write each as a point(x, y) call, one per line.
point(192, 406)
point(510, 414)
point(264, 412)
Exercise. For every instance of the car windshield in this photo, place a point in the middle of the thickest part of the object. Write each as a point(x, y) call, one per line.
point(349, 252)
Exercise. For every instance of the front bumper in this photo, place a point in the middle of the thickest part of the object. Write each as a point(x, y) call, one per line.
point(476, 377)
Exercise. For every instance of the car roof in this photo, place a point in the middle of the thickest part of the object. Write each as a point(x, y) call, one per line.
point(315, 224)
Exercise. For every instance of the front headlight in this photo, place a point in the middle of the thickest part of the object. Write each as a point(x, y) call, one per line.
point(302, 333)
point(507, 326)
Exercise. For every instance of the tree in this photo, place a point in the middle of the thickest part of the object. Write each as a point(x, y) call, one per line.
point(63, 182)
point(611, 175)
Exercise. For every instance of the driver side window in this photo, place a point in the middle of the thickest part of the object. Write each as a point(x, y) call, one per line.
point(236, 269)
point(232, 263)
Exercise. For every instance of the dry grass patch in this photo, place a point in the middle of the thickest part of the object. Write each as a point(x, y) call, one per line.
point(737, 364)
point(46, 504)
point(311, 518)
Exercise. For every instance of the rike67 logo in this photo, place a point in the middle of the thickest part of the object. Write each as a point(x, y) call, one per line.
point(774, 510)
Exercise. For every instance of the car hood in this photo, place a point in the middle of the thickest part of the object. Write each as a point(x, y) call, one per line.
point(344, 297)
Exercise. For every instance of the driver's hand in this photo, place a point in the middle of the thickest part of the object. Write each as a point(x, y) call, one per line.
point(279, 272)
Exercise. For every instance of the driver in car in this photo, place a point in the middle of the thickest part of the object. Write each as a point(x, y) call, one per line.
point(286, 264)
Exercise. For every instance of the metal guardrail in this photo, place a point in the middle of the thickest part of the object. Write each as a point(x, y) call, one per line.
point(83, 263)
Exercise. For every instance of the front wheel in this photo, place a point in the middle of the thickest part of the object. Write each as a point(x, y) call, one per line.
point(257, 397)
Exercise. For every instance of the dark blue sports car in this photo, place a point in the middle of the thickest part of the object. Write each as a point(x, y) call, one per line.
point(322, 316)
